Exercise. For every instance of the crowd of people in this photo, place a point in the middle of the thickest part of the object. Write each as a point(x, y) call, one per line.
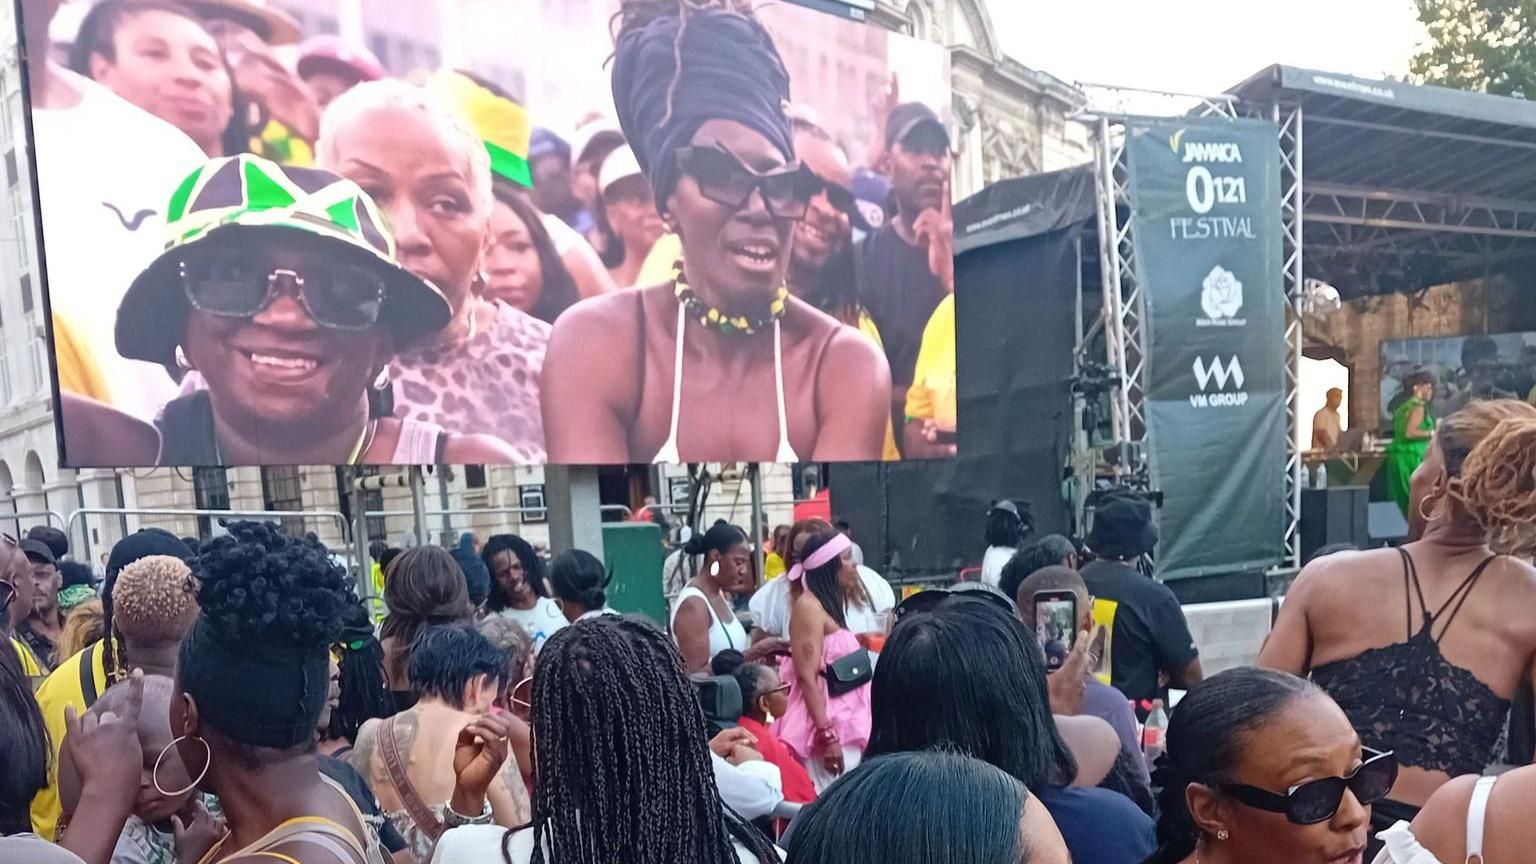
point(418, 251)
point(235, 701)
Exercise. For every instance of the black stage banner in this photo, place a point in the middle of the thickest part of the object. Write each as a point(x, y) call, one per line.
point(1205, 195)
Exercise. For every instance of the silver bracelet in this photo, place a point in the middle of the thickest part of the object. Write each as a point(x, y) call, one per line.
point(453, 818)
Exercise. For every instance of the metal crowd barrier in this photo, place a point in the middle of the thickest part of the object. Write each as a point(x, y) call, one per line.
point(30, 515)
point(265, 515)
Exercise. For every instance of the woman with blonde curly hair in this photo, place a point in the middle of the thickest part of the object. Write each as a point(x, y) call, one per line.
point(1419, 645)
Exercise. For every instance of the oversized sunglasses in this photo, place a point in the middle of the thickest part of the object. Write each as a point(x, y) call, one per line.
point(1318, 800)
point(723, 179)
point(237, 283)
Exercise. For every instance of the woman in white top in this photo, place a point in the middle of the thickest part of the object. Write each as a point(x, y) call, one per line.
point(1005, 531)
point(579, 583)
point(1469, 819)
point(624, 766)
point(703, 622)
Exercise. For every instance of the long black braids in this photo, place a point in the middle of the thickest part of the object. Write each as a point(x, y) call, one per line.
point(625, 772)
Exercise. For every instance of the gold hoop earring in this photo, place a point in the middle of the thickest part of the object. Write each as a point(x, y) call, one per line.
point(154, 773)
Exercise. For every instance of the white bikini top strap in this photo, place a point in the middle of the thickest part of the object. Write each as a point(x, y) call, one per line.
point(786, 453)
point(1477, 813)
point(668, 454)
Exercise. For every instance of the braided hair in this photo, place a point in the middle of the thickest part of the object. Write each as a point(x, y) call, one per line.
point(364, 689)
point(625, 772)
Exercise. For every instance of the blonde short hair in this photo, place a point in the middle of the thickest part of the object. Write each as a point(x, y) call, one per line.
point(153, 600)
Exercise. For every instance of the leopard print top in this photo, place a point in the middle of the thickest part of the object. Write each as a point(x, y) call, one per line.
point(486, 385)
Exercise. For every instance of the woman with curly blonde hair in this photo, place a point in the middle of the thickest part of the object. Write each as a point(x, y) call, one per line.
point(1422, 646)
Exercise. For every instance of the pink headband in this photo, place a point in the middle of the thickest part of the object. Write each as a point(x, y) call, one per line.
point(835, 547)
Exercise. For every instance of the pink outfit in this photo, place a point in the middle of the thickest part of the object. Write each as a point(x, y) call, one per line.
point(849, 713)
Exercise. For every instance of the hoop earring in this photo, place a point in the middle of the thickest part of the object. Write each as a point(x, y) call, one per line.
point(182, 362)
point(1426, 506)
point(382, 381)
point(154, 773)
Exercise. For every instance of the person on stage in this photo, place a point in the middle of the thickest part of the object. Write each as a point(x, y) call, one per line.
point(1327, 424)
point(1412, 427)
point(703, 368)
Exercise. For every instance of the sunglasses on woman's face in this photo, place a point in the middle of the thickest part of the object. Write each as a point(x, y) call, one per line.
point(1318, 800)
point(240, 283)
point(723, 179)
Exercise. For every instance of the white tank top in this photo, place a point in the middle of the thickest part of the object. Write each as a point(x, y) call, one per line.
point(723, 635)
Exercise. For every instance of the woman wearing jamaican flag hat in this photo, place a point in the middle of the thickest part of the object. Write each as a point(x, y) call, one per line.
point(279, 287)
point(684, 366)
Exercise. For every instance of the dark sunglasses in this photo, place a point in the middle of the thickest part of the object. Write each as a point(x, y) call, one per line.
point(723, 179)
point(1318, 800)
point(236, 283)
point(838, 196)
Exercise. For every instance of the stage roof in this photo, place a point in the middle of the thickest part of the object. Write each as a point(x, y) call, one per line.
point(1406, 185)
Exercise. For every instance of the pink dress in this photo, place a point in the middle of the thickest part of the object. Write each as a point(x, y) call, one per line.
point(849, 713)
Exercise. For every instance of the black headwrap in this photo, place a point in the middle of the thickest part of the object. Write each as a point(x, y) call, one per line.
point(266, 696)
point(730, 70)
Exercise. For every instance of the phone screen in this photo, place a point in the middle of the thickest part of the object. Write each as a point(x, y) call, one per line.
point(1055, 625)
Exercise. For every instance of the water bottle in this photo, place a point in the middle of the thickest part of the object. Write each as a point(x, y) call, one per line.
point(1154, 734)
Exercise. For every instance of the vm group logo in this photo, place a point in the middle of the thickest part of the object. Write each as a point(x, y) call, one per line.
point(1225, 377)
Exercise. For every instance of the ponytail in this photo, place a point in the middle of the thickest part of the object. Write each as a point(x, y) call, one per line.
point(1206, 737)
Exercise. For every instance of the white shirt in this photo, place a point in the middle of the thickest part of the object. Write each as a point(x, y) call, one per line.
point(103, 212)
point(482, 844)
point(541, 622)
point(723, 635)
point(770, 606)
point(992, 564)
point(752, 789)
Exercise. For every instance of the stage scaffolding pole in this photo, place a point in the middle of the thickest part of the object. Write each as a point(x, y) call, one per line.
point(1292, 214)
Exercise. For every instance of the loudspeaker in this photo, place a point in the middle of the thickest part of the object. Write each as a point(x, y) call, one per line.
point(1338, 514)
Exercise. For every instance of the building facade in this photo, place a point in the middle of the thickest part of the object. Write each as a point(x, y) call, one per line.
point(1009, 120)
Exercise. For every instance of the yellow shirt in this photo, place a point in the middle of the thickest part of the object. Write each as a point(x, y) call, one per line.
point(932, 394)
point(61, 690)
point(773, 567)
point(77, 369)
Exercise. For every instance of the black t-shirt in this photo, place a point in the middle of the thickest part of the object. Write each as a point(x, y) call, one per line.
point(1148, 632)
point(357, 789)
point(900, 292)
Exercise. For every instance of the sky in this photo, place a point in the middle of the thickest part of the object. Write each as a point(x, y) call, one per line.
point(1205, 46)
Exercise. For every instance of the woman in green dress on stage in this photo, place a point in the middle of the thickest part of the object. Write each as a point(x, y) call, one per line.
point(1412, 427)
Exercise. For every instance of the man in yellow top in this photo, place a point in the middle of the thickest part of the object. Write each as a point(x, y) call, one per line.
point(148, 610)
point(930, 431)
point(16, 599)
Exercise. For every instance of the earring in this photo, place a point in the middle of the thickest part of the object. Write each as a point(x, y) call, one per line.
point(1222, 834)
point(182, 362)
point(382, 381)
point(154, 774)
point(714, 569)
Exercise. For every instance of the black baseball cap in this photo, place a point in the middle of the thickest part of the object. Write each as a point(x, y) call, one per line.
point(908, 118)
point(57, 540)
point(38, 551)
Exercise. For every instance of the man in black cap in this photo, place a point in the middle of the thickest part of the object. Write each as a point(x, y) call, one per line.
point(907, 267)
point(42, 629)
point(57, 540)
point(1150, 646)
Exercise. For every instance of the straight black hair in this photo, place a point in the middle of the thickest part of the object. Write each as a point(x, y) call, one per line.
point(822, 582)
point(445, 659)
point(935, 807)
point(558, 292)
point(1206, 736)
point(23, 748)
point(578, 577)
point(945, 679)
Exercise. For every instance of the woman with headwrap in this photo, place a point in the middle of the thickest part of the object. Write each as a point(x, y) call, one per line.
point(700, 95)
point(251, 682)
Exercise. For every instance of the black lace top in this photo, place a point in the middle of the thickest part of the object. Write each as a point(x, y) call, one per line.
point(1409, 699)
